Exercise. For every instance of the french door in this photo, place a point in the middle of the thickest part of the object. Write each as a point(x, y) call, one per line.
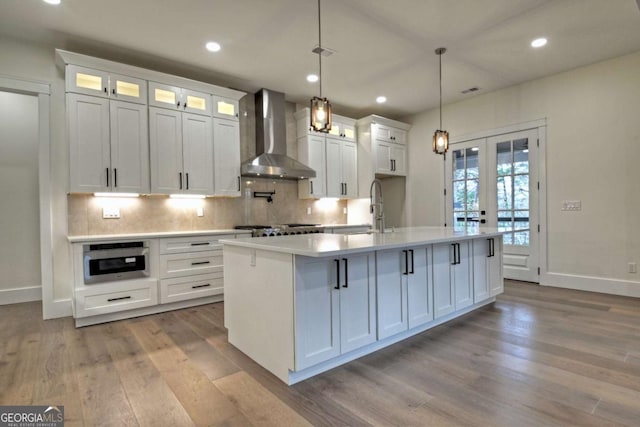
point(493, 183)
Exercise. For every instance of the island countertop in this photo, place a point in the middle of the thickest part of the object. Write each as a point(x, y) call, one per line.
point(320, 245)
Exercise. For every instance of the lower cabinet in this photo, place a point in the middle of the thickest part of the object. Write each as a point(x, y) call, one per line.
point(452, 280)
point(404, 291)
point(108, 298)
point(335, 307)
point(487, 268)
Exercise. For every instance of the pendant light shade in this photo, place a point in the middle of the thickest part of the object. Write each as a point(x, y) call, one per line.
point(440, 136)
point(320, 107)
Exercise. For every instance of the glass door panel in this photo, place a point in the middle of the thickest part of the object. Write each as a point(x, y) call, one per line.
point(464, 185)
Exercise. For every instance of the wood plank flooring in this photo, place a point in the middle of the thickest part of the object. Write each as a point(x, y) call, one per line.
point(537, 357)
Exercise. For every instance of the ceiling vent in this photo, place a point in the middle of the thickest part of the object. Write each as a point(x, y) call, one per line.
point(325, 51)
point(471, 89)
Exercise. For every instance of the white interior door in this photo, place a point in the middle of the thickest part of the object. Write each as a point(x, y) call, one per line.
point(493, 182)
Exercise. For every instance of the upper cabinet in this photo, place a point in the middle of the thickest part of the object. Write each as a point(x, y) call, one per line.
point(382, 150)
point(225, 108)
point(176, 98)
point(226, 157)
point(332, 155)
point(107, 85)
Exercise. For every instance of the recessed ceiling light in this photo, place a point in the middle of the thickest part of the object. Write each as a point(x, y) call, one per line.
point(52, 1)
point(312, 78)
point(474, 148)
point(539, 42)
point(381, 99)
point(213, 47)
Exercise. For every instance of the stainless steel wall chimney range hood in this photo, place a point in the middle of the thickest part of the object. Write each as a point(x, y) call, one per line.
point(271, 142)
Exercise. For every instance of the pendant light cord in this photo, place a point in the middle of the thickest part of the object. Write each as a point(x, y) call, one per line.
point(320, 49)
point(440, 77)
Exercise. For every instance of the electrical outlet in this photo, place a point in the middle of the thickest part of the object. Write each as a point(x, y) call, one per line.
point(344, 211)
point(200, 211)
point(633, 267)
point(309, 211)
point(111, 213)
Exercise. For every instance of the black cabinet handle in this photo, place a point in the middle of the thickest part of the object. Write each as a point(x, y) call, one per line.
point(458, 261)
point(346, 189)
point(178, 103)
point(406, 263)
point(187, 174)
point(337, 286)
point(412, 264)
point(455, 252)
point(105, 90)
point(311, 187)
point(492, 248)
point(390, 164)
point(185, 106)
point(113, 91)
point(346, 273)
point(206, 285)
point(118, 299)
point(489, 242)
point(238, 183)
point(201, 263)
point(115, 177)
point(180, 178)
point(107, 171)
point(201, 244)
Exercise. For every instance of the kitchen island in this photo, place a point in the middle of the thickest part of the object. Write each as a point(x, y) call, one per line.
point(300, 305)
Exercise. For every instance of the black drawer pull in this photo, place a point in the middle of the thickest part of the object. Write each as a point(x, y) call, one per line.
point(412, 263)
point(206, 285)
point(201, 244)
point(406, 263)
point(118, 299)
point(201, 263)
point(346, 272)
point(337, 286)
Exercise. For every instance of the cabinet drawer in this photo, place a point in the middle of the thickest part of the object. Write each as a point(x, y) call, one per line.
point(191, 287)
point(187, 264)
point(113, 297)
point(175, 245)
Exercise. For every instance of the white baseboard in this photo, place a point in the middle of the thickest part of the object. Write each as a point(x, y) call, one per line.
point(18, 295)
point(603, 285)
point(58, 308)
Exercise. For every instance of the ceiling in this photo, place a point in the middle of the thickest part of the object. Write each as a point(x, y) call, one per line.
point(383, 47)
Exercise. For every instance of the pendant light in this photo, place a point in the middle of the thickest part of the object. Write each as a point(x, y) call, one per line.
point(440, 136)
point(320, 107)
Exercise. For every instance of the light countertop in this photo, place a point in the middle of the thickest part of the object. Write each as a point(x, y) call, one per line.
point(319, 245)
point(158, 234)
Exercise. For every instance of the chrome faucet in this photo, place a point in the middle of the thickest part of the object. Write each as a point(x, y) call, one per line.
point(377, 208)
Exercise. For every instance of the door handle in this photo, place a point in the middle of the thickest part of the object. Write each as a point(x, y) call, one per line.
point(107, 171)
point(458, 246)
point(201, 263)
point(118, 299)
point(412, 264)
point(206, 285)
point(115, 177)
point(187, 174)
point(180, 178)
point(454, 254)
point(346, 189)
point(391, 164)
point(310, 187)
point(337, 286)
point(406, 263)
point(346, 273)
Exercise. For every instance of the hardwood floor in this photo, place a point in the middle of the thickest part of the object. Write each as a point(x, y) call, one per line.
point(537, 357)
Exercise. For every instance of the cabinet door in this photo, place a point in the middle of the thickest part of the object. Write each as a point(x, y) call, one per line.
point(164, 96)
point(311, 152)
point(87, 81)
point(125, 88)
point(496, 279)
point(165, 143)
point(419, 287)
point(481, 268)
point(349, 161)
point(392, 270)
point(197, 151)
point(349, 132)
point(357, 302)
point(225, 108)
point(129, 147)
point(399, 136)
point(89, 152)
point(382, 133)
point(443, 291)
point(335, 186)
point(462, 278)
point(196, 102)
point(336, 129)
point(399, 155)
point(317, 314)
point(384, 162)
point(226, 157)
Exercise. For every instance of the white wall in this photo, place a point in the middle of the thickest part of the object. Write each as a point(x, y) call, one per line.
point(27, 61)
point(593, 150)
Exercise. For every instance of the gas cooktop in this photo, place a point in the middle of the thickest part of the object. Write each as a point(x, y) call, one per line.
point(281, 229)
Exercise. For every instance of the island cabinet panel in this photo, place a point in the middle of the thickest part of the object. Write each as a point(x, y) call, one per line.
point(419, 286)
point(487, 268)
point(461, 275)
point(392, 268)
point(334, 307)
point(443, 291)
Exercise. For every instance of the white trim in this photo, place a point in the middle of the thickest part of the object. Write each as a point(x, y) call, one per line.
point(592, 284)
point(58, 308)
point(18, 295)
point(499, 131)
point(41, 90)
point(542, 202)
point(374, 119)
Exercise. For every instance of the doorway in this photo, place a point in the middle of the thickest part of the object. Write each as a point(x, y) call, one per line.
point(493, 182)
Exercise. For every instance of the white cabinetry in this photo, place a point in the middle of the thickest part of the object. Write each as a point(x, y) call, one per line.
point(181, 147)
point(382, 150)
point(335, 307)
point(190, 267)
point(452, 279)
point(93, 82)
point(176, 98)
point(225, 108)
point(405, 292)
point(334, 157)
point(226, 157)
point(487, 268)
point(108, 145)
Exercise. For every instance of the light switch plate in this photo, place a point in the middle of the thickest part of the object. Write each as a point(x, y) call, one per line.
point(308, 211)
point(571, 205)
point(111, 213)
point(200, 211)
